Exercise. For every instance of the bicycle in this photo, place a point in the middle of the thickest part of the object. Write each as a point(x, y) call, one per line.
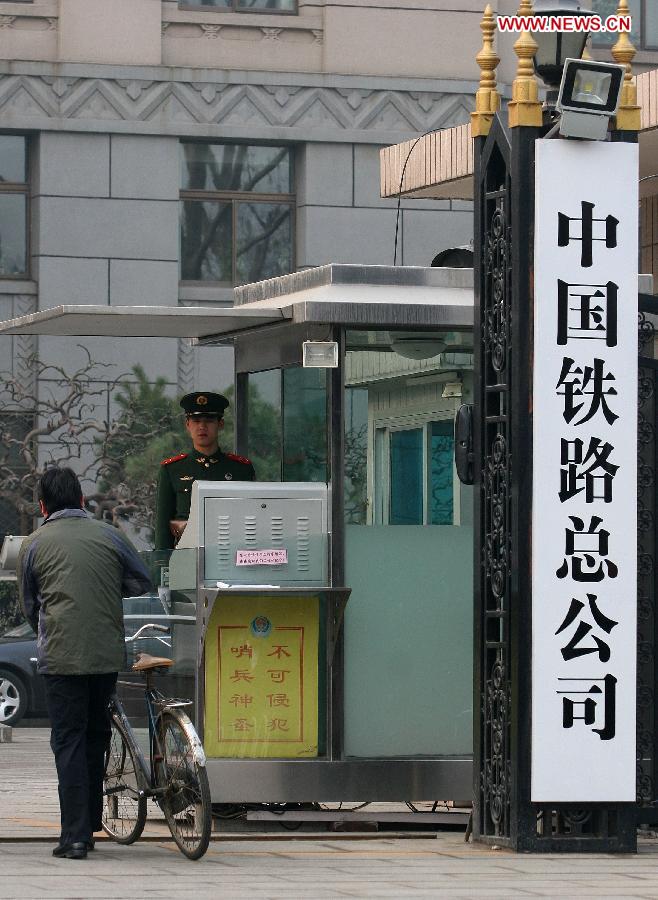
point(174, 776)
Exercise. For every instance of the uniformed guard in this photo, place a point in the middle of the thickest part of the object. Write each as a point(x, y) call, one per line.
point(204, 419)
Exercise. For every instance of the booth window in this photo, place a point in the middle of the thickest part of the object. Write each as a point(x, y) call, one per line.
point(236, 213)
point(408, 545)
point(644, 15)
point(14, 199)
point(286, 431)
point(256, 6)
point(399, 431)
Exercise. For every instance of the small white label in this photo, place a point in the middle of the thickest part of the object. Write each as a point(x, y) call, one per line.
point(261, 558)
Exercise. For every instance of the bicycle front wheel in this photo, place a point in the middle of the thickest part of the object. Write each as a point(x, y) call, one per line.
point(186, 799)
point(124, 810)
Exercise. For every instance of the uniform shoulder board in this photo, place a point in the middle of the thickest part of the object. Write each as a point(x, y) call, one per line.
point(165, 462)
point(240, 459)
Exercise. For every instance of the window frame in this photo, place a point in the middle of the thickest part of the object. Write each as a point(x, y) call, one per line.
point(383, 428)
point(189, 6)
point(235, 198)
point(644, 45)
point(22, 189)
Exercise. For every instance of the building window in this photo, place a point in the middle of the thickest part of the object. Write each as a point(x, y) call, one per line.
point(287, 6)
point(14, 195)
point(236, 212)
point(415, 481)
point(644, 14)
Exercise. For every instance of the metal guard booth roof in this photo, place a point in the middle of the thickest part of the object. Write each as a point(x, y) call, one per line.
point(351, 295)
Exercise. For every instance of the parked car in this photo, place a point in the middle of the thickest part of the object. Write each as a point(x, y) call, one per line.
point(21, 689)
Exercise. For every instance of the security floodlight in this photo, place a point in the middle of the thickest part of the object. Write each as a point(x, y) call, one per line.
point(589, 96)
point(320, 354)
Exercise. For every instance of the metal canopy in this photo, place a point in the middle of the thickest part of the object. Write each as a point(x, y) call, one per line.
point(140, 321)
point(352, 295)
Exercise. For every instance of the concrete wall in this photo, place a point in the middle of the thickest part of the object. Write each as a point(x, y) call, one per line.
point(342, 218)
point(108, 90)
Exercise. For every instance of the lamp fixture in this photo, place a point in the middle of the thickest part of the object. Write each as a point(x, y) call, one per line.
point(555, 47)
point(320, 354)
point(417, 345)
point(589, 96)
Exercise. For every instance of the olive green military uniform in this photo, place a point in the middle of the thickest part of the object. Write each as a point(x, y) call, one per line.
point(178, 474)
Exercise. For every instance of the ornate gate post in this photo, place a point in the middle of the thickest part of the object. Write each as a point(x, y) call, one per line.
point(504, 162)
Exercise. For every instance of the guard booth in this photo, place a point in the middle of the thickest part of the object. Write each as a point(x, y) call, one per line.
point(367, 435)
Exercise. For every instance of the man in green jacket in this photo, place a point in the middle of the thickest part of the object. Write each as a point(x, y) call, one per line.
point(204, 419)
point(73, 572)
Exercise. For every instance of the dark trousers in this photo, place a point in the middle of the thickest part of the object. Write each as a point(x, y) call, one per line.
point(77, 706)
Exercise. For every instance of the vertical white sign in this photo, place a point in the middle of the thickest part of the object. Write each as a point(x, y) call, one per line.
point(584, 521)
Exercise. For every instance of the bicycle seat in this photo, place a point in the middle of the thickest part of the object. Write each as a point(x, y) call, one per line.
point(145, 661)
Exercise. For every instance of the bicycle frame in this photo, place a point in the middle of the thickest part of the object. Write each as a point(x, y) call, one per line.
point(155, 704)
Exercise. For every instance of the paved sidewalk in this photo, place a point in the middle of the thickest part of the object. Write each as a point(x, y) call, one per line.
point(443, 868)
point(29, 808)
point(281, 866)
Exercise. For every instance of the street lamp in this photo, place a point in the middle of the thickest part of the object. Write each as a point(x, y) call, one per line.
point(555, 47)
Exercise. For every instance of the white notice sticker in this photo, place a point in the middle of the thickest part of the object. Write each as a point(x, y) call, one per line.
point(261, 557)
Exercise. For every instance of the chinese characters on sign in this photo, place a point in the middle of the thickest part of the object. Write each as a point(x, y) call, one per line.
point(584, 554)
point(261, 686)
point(261, 557)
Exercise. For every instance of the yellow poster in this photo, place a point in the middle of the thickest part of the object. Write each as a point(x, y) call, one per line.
point(262, 677)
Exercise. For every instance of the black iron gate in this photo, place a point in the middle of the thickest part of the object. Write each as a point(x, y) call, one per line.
point(503, 810)
point(647, 534)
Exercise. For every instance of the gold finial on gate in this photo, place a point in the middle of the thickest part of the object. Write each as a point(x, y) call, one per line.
point(487, 98)
point(623, 52)
point(525, 108)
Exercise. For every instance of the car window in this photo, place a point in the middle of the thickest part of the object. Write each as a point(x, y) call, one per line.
point(21, 631)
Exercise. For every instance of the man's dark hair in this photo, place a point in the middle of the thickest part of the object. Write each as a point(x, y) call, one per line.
point(59, 489)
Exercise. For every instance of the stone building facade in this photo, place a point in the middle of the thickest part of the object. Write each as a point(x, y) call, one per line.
point(162, 151)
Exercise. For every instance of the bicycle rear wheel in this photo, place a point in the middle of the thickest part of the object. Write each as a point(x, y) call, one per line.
point(186, 800)
point(124, 811)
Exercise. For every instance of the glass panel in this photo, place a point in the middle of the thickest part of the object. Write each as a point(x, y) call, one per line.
point(236, 167)
point(267, 4)
point(175, 609)
point(441, 492)
point(607, 8)
point(13, 159)
point(264, 241)
point(356, 456)
point(304, 424)
point(407, 477)
point(264, 424)
point(224, 4)
point(206, 230)
point(13, 234)
point(408, 641)
point(409, 621)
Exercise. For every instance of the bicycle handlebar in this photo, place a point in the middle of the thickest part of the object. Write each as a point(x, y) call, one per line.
point(139, 631)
